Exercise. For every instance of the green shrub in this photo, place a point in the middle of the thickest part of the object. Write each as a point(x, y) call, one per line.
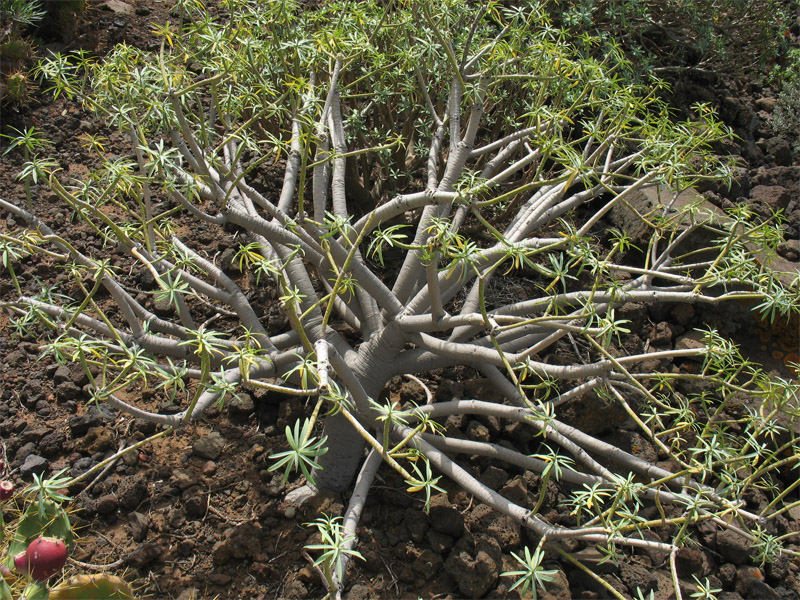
point(671, 35)
point(429, 156)
point(16, 52)
point(786, 118)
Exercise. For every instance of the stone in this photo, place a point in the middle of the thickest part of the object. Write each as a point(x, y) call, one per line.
point(228, 262)
point(761, 590)
point(790, 250)
point(209, 446)
point(780, 150)
point(183, 479)
point(176, 518)
point(635, 312)
point(593, 414)
point(501, 527)
point(219, 579)
point(34, 464)
point(79, 425)
point(660, 199)
point(558, 588)
point(453, 426)
point(439, 542)
point(445, 518)
point(636, 577)
point(726, 574)
point(146, 428)
point(636, 444)
point(162, 307)
point(131, 458)
point(412, 391)
point(494, 477)
point(289, 411)
point(80, 466)
point(662, 334)
point(492, 423)
point(776, 197)
point(96, 439)
point(52, 442)
point(735, 111)
point(474, 564)
point(733, 547)
point(23, 452)
point(143, 554)
point(131, 492)
point(194, 503)
point(427, 563)
point(478, 431)
point(747, 578)
point(295, 590)
point(139, 525)
point(691, 340)
point(778, 570)
point(794, 513)
point(239, 542)
point(516, 491)
point(766, 103)
point(358, 592)
point(67, 390)
point(61, 375)
point(416, 524)
point(241, 404)
point(118, 7)
point(106, 505)
point(596, 561)
point(788, 177)
point(683, 314)
point(690, 561)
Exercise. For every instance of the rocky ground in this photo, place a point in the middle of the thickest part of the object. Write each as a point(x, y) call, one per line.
point(197, 515)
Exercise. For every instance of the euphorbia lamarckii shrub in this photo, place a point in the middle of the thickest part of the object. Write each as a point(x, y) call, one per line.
point(432, 157)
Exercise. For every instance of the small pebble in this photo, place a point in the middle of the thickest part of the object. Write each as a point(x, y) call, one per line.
point(290, 512)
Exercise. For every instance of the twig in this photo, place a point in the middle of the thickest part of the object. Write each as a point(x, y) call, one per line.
point(91, 567)
point(590, 573)
point(428, 394)
point(673, 569)
point(104, 472)
point(112, 459)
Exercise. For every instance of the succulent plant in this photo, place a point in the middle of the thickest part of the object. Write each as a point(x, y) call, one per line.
point(6, 490)
point(21, 562)
point(16, 52)
point(98, 587)
point(45, 557)
point(16, 88)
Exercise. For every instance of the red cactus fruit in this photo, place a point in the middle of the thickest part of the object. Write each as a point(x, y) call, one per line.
point(21, 562)
point(46, 557)
point(6, 490)
point(6, 573)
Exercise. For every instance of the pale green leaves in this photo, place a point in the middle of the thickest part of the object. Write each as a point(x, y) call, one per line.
point(304, 448)
point(532, 576)
point(389, 237)
point(423, 482)
point(334, 545)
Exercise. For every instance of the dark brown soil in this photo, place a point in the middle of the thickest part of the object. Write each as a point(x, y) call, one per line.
point(204, 521)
